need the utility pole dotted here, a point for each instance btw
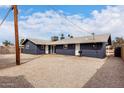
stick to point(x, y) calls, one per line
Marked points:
point(16, 34)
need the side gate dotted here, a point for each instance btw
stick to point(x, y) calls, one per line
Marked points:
point(117, 52)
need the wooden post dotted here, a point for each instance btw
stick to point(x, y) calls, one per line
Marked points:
point(16, 35)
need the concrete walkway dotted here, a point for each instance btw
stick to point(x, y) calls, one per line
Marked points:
point(110, 75)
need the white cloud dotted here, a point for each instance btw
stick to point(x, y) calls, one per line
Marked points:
point(4, 6)
point(46, 24)
point(109, 20)
point(7, 31)
point(51, 22)
point(25, 12)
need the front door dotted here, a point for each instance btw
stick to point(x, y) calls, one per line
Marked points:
point(51, 49)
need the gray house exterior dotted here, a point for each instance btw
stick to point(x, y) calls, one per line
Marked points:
point(69, 50)
point(93, 50)
point(33, 46)
point(88, 46)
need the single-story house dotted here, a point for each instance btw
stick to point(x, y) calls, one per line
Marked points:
point(34, 46)
point(88, 46)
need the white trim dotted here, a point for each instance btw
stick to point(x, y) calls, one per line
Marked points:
point(46, 49)
point(65, 46)
point(77, 49)
point(53, 49)
point(27, 46)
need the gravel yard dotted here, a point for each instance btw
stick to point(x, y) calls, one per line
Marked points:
point(8, 60)
point(48, 70)
point(110, 75)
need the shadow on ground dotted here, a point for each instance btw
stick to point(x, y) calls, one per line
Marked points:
point(110, 75)
point(7, 63)
point(26, 60)
point(14, 82)
point(10, 62)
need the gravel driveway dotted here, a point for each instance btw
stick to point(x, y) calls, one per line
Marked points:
point(51, 70)
point(110, 75)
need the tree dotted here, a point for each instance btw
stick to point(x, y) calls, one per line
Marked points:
point(7, 43)
point(70, 36)
point(22, 40)
point(62, 37)
point(118, 42)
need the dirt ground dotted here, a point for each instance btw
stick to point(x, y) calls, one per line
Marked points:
point(110, 75)
point(48, 71)
point(8, 60)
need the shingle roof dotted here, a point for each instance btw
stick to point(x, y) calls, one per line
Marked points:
point(86, 39)
point(37, 41)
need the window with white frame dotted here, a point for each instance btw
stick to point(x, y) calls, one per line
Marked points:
point(27, 46)
point(65, 46)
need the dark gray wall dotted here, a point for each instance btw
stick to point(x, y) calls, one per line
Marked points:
point(87, 49)
point(59, 49)
point(99, 50)
point(33, 49)
point(40, 50)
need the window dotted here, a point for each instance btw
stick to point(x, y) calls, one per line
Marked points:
point(91, 46)
point(42, 47)
point(27, 46)
point(65, 46)
point(94, 46)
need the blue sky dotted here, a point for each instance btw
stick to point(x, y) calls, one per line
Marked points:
point(72, 9)
point(45, 21)
point(83, 10)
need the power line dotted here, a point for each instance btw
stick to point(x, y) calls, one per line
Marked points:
point(76, 25)
point(9, 10)
point(82, 29)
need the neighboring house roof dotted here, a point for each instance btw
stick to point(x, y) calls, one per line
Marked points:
point(86, 39)
point(37, 41)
